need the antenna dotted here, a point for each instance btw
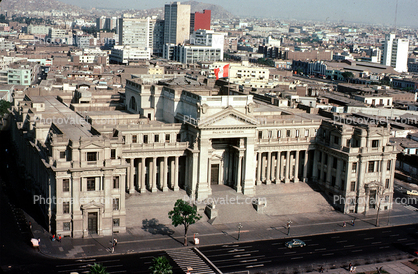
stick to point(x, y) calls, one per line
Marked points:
point(396, 14)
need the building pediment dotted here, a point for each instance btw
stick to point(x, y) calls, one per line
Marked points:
point(92, 205)
point(228, 118)
point(91, 145)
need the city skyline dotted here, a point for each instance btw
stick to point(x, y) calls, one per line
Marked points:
point(370, 11)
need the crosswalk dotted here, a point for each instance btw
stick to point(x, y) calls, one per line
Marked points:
point(411, 207)
point(187, 258)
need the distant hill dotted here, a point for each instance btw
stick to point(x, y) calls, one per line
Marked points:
point(38, 5)
point(217, 12)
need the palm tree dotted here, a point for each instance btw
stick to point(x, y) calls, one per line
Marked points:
point(98, 269)
point(161, 265)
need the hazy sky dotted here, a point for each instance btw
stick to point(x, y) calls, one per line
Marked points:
point(370, 11)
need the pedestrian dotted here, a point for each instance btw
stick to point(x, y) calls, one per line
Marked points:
point(59, 238)
point(115, 241)
point(53, 237)
point(344, 224)
point(113, 248)
point(30, 225)
point(39, 241)
point(352, 222)
point(321, 270)
point(350, 267)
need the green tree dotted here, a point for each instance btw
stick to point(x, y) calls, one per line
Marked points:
point(4, 106)
point(347, 75)
point(98, 269)
point(184, 214)
point(161, 265)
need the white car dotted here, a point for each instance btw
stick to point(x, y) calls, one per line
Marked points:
point(412, 192)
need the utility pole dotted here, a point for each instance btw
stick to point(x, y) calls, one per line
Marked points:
point(239, 231)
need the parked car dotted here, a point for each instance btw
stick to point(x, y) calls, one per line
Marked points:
point(295, 243)
point(412, 192)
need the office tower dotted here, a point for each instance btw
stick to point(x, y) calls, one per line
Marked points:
point(176, 23)
point(200, 20)
point(395, 53)
point(136, 33)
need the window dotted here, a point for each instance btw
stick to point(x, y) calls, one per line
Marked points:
point(113, 154)
point(297, 133)
point(178, 137)
point(306, 132)
point(167, 138)
point(145, 139)
point(371, 166)
point(336, 140)
point(320, 157)
point(66, 185)
point(66, 226)
point(348, 143)
point(91, 184)
point(116, 221)
point(260, 135)
point(375, 143)
point(343, 184)
point(354, 167)
point(288, 133)
point(115, 181)
point(387, 183)
point(134, 139)
point(389, 165)
point(333, 181)
point(270, 133)
point(66, 207)
point(353, 186)
point(91, 156)
point(335, 162)
point(156, 138)
point(325, 159)
point(115, 203)
point(62, 154)
point(279, 133)
point(325, 176)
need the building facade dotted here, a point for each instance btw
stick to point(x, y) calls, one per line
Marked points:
point(176, 23)
point(395, 53)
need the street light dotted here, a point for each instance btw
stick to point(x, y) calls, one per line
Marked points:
point(239, 230)
point(288, 227)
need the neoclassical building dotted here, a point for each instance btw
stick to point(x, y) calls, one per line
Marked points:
point(190, 134)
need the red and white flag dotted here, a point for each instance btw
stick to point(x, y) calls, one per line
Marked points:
point(222, 72)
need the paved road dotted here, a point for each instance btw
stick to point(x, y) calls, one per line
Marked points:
point(320, 249)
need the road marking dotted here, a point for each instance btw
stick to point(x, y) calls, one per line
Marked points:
point(409, 243)
point(308, 240)
point(313, 244)
point(393, 235)
point(282, 248)
point(375, 243)
point(384, 247)
point(335, 237)
point(348, 245)
point(319, 249)
point(243, 255)
point(327, 254)
point(248, 261)
point(236, 250)
point(386, 231)
point(293, 252)
point(276, 243)
point(403, 239)
point(252, 266)
point(369, 238)
point(344, 241)
point(295, 258)
point(230, 245)
point(358, 250)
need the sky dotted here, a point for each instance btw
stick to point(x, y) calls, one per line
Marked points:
point(364, 11)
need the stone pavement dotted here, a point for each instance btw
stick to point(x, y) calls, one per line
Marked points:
point(149, 228)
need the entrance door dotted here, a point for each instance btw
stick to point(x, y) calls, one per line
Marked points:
point(214, 174)
point(372, 199)
point(92, 219)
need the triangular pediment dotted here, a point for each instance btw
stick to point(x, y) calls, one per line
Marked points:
point(91, 145)
point(92, 205)
point(228, 118)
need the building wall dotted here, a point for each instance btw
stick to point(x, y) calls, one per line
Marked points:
point(202, 20)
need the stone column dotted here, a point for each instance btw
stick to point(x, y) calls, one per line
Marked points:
point(338, 174)
point(176, 173)
point(278, 175)
point(138, 175)
point(122, 183)
point(268, 181)
point(143, 171)
point(131, 177)
point(77, 229)
point(171, 174)
point(259, 160)
point(305, 167)
point(107, 224)
point(296, 178)
point(287, 176)
point(329, 169)
point(239, 173)
point(248, 168)
point(315, 175)
point(263, 177)
point(273, 166)
point(154, 175)
point(282, 163)
point(165, 174)
point(195, 170)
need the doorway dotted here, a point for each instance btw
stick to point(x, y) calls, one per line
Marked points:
point(214, 174)
point(92, 222)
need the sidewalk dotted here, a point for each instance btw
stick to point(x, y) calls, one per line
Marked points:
point(162, 237)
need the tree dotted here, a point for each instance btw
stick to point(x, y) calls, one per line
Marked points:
point(161, 265)
point(4, 106)
point(184, 214)
point(347, 75)
point(98, 269)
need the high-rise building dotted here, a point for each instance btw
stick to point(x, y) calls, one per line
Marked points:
point(395, 53)
point(136, 33)
point(158, 38)
point(176, 23)
point(200, 20)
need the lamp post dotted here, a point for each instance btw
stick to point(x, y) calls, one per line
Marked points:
point(239, 231)
point(379, 190)
point(288, 227)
